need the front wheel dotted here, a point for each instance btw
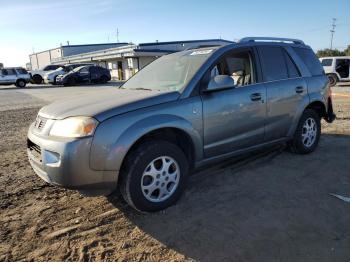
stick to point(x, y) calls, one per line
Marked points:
point(21, 83)
point(307, 134)
point(333, 79)
point(154, 176)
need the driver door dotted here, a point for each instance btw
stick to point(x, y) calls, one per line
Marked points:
point(84, 74)
point(234, 118)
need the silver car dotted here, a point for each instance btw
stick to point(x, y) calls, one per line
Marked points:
point(183, 111)
point(14, 76)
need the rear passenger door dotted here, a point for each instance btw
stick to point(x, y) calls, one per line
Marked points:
point(285, 90)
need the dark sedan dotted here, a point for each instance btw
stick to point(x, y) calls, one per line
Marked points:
point(85, 74)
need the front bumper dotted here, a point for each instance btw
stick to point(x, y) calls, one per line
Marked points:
point(65, 162)
point(48, 80)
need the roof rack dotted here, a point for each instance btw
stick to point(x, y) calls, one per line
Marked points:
point(271, 39)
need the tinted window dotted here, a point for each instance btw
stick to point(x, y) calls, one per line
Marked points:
point(327, 62)
point(11, 71)
point(21, 71)
point(94, 70)
point(293, 71)
point(310, 60)
point(3, 72)
point(273, 63)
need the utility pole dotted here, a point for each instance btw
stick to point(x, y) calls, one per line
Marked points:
point(333, 31)
point(117, 35)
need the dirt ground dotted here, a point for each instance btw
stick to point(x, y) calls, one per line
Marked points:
point(269, 206)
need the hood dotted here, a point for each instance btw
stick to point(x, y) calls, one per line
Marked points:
point(106, 103)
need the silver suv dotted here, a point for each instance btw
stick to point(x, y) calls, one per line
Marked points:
point(14, 75)
point(183, 111)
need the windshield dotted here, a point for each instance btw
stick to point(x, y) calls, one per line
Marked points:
point(169, 73)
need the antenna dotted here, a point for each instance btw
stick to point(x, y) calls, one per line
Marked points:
point(333, 31)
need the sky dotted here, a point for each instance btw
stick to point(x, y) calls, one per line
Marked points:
point(27, 26)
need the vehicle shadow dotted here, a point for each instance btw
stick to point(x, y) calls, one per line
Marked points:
point(267, 206)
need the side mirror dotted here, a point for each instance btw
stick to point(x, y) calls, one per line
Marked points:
point(220, 82)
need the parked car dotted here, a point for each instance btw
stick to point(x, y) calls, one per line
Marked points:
point(336, 68)
point(50, 77)
point(14, 75)
point(38, 75)
point(85, 74)
point(181, 112)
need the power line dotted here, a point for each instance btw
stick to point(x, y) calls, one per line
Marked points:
point(333, 31)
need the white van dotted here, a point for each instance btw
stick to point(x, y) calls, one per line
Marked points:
point(336, 68)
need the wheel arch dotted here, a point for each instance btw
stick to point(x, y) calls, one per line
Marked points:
point(317, 104)
point(162, 127)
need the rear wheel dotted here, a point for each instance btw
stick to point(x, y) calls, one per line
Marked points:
point(21, 83)
point(307, 134)
point(333, 79)
point(37, 79)
point(103, 79)
point(154, 176)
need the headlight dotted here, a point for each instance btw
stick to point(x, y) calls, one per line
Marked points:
point(74, 127)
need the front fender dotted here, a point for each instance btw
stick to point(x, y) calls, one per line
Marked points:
point(115, 136)
point(129, 137)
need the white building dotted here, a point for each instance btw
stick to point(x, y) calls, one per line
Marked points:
point(44, 58)
point(126, 59)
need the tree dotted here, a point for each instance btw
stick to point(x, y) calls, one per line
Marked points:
point(347, 50)
point(331, 52)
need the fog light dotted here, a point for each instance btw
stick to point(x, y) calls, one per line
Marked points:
point(51, 158)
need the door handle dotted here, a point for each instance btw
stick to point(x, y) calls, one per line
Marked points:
point(299, 89)
point(255, 96)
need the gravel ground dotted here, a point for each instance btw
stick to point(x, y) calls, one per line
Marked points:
point(268, 206)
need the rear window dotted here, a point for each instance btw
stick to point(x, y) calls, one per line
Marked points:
point(310, 60)
point(327, 62)
point(273, 63)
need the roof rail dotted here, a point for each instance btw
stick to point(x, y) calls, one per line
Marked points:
point(271, 39)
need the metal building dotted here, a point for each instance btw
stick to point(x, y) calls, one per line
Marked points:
point(125, 60)
point(44, 58)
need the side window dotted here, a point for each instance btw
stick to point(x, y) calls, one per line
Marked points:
point(94, 70)
point(273, 63)
point(11, 72)
point(236, 65)
point(310, 60)
point(47, 68)
point(240, 68)
point(84, 70)
point(327, 62)
point(293, 71)
point(4, 72)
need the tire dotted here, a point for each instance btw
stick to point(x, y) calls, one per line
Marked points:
point(55, 80)
point(37, 79)
point(21, 83)
point(333, 79)
point(307, 134)
point(71, 81)
point(136, 175)
point(103, 79)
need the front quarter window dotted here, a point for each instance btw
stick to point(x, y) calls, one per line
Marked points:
point(171, 72)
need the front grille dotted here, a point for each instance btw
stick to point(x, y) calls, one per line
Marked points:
point(40, 122)
point(34, 149)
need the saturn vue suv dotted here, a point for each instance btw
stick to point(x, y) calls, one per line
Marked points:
point(183, 111)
